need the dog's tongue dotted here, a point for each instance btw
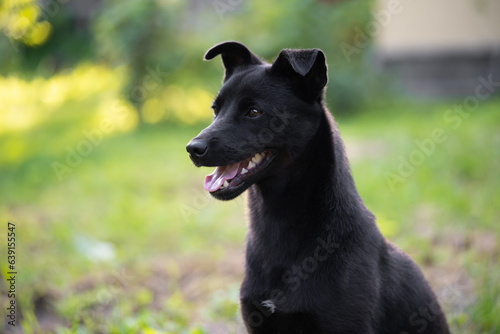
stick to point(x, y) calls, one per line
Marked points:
point(222, 173)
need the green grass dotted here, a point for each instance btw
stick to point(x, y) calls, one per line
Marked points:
point(128, 241)
point(136, 199)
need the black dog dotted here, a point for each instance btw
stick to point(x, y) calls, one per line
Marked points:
point(315, 259)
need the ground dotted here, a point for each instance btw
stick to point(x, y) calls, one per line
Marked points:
point(126, 240)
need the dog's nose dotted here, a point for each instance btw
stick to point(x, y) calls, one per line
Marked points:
point(197, 149)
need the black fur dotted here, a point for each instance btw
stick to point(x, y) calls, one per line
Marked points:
point(315, 259)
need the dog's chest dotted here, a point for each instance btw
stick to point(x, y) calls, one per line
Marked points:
point(271, 306)
point(265, 317)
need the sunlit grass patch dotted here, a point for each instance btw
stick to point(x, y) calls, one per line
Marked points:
point(26, 104)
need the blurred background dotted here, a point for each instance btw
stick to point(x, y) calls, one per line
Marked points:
point(114, 232)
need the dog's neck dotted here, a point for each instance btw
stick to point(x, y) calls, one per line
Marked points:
point(279, 207)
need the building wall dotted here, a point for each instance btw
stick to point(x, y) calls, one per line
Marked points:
point(439, 48)
point(440, 25)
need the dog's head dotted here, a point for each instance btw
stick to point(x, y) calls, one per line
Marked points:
point(263, 116)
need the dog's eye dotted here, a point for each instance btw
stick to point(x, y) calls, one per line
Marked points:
point(254, 113)
point(215, 111)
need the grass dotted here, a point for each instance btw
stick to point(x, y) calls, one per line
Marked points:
point(127, 241)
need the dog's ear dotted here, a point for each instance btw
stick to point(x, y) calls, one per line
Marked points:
point(234, 55)
point(307, 67)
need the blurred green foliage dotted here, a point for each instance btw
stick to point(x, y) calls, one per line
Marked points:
point(169, 38)
point(41, 37)
point(140, 35)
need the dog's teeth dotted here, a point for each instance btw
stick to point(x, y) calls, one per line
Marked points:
point(257, 158)
point(251, 165)
point(243, 171)
point(225, 184)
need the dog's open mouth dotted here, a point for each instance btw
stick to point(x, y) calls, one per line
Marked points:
point(225, 177)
